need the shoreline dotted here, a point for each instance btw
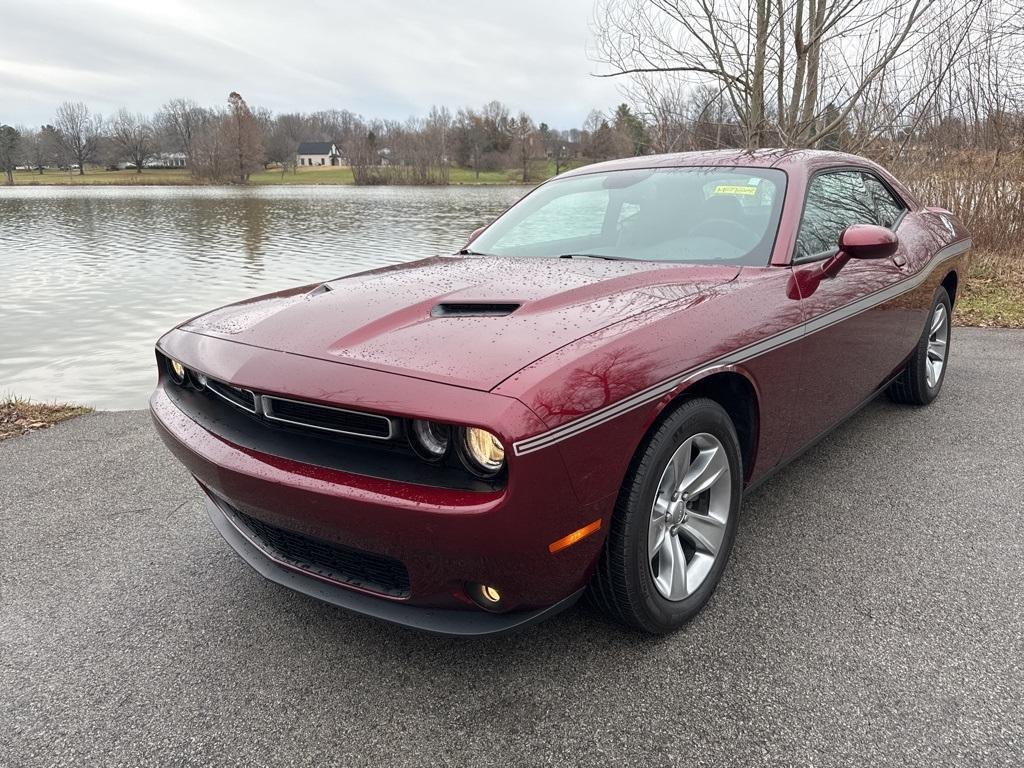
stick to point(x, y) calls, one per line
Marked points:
point(21, 416)
point(256, 185)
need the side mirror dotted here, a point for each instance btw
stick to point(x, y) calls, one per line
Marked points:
point(475, 234)
point(861, 241)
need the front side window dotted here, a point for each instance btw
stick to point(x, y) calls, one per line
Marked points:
point(698, 215)
point(837, 200)
point(887, 208)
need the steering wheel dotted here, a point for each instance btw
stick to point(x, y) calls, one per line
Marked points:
point(735, 232)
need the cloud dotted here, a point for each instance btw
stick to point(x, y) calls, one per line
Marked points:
point(391, 58)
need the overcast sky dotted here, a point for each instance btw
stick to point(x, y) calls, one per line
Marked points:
point(381, 58)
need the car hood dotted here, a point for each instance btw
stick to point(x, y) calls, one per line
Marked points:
point(436, 318)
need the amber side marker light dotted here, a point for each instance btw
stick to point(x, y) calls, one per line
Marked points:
point(572, 538)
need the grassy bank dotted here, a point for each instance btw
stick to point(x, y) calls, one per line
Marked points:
point(101, 177)
point(19, 417)
point(317, 175)
point(993, 296)
point(987, 193)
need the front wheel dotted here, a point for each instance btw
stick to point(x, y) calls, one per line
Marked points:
point(674, 522)
point(921, 380)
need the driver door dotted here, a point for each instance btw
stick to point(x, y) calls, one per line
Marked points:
point(854, 342)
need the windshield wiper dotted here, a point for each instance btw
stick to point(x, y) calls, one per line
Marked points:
point(593, 256)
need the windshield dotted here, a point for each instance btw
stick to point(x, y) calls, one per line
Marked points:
point(699, 215)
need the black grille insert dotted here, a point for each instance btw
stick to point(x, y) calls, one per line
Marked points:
point(345, 565)
point(326, 418)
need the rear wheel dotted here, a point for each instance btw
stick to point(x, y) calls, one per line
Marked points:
point(921, 380)
point(674, 522)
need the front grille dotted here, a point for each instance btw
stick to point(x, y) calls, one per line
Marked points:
point(353, 567)
point(243, 398)
point(326, 418)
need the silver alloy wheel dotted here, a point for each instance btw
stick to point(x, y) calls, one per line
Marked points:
point(938, 339)
point(689, 516)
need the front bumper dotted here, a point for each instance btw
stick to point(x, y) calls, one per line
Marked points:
point(452, 622)
point(446, 539)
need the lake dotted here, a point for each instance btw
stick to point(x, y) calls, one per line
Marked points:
point(90, 277)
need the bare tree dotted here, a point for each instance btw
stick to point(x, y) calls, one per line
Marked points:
point(79, 132)
point(527, 145)
point(133, 137)
point(778, 64)
point(39, 148)
point(242, 131)
point(10, 151)
point(182, 120)
point(437, 130)
point(284, 136)
point(470, 139)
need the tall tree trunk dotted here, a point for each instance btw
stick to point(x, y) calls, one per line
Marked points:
point(800, 49)
point(817, 22)
point(780, 89)
point(755, 114)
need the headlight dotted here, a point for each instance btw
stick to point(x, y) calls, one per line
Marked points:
point(177, 372)
point(483, 451)
point(429, 439)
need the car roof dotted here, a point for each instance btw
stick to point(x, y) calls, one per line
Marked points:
point(806, 159)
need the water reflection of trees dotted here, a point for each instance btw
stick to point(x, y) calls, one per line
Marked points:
point(610, 377)
point(835, 201)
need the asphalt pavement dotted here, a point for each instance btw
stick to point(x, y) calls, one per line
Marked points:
point(872, 614)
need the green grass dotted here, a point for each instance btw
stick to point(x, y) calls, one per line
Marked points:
point(327, 174)
point(317, 175)
point(19, 416)
point(993, 296)
point(94, 176)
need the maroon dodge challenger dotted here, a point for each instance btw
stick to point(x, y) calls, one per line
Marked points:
point(574, 403)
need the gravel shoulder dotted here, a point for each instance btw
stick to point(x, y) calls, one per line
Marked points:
point(872, 614)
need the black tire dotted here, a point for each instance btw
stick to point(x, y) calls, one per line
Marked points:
point(623, 585)
point(912, 387)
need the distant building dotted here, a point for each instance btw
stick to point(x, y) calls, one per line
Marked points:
point(159, 160)
point(317, 153)
point(166, 160)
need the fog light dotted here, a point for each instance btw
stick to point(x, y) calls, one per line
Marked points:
point(490, 594)
point(177, 372)
point(486, 596)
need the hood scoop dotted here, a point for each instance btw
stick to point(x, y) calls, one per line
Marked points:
point(473, 309)
point(320, 289)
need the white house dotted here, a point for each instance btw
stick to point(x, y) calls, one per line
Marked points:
point(166, 160)
point(317, 153)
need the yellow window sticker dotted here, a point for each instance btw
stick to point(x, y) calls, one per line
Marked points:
point(735, 189)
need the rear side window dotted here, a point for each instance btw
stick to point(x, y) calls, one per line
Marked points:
point(837, 200)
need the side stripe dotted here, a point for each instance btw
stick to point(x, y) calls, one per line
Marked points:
point(659, 390)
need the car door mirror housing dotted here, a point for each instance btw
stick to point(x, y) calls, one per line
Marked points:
point(475, 234)
point(868, 241)
point(861, 241)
